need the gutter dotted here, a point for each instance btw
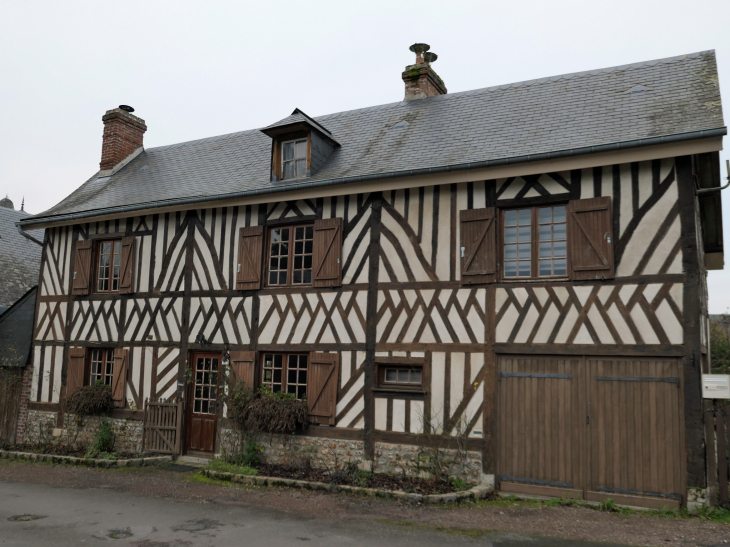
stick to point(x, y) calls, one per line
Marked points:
point(621, 145)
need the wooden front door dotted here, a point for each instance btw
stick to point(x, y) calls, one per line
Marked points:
point(203, 407)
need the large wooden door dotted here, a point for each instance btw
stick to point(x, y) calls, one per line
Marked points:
point(203, 407)
point(541, 425)
point(634, 442)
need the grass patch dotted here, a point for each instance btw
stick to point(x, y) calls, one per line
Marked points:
point(199, 478)
point(222, 466)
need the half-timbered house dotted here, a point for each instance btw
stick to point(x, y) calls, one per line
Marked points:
point(521, 266)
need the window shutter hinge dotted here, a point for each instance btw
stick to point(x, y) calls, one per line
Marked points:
point(74, 275)
point(239, 269)
point(338, 260)
point(462, 252)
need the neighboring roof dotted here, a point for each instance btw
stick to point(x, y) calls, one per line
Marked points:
point(16, 331)
point(653, 102)
point(20, 258)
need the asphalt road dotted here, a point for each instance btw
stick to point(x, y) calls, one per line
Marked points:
point(35, 515)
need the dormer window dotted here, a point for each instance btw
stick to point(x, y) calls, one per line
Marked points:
point(294, 159)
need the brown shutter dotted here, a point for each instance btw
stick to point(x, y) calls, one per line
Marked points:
point(250, 245)
point(590, 242)
point(126, 284)
point(478, 248)
point(82, 267)
point(322, 387)
point(243, 369)
point(327, 255)
point(76, 370)
point(119, 378)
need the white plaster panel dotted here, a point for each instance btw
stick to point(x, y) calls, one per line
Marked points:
point(671, 326)
point(416, 416)
point(399, 415)
point(381, 414)
point(443, 260)
point(438, 382)
point(457, 381)
point(643, 326)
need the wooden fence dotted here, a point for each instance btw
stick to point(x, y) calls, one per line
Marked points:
point(717, 424)
point(162, 430)
point(11, 383)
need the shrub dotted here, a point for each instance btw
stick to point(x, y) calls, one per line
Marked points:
point(103, 440)
point(267, 412)
point(90, 400)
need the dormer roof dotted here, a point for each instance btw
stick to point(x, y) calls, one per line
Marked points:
point(295, 121)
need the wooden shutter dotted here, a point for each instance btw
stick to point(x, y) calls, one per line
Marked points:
point(478, 248)
point(126, 284)
point(250, 245)
point(590, 232)
point(82, 267)
point(76, 370)
point(243, 368)
point(327, 255)
point(322, 387)
point(119, 379)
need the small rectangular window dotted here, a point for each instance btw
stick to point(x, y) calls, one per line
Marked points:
point(290, 256)
point(102, 367)
point(398, 376)
point(285, 372)
point(294, 159)
point(535, 242)
point(109, 265)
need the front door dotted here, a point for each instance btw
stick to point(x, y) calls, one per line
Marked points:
point(203, 410)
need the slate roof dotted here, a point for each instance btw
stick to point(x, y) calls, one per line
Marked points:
point(643, 103)
point(16, 331)
point(20, 258)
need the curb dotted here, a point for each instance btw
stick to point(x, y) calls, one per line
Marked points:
point(473, 494)
point(84, 462)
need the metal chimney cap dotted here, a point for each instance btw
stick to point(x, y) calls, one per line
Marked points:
point(419, 48)
point(430, 57)
point(126, 108)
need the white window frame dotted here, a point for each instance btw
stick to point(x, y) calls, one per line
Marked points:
point(294, 159)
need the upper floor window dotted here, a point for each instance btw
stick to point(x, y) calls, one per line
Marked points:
point(535, 242)
point(102, 367)
point(109, 265)
point(290, 255)
point(294, 159)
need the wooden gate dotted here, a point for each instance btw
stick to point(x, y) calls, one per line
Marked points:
point(717, 424)
point(11, 383)
point(542, 412)
point(592, 428)
point(635, 432)
point(162, 427)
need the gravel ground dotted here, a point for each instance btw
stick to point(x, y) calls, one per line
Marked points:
point(560, 522)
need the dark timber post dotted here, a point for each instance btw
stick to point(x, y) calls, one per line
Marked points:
point(694, 433)
point(371, 326)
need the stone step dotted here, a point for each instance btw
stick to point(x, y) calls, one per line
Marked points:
point(193, 460)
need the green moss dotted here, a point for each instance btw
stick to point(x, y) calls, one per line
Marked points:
point(414, 73)
point(224, 467)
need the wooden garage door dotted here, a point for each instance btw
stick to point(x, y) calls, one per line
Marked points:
point(635, 431)
point(541, 425)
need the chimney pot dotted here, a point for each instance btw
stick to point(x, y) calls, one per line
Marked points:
point(123, 135)
point(421, 80)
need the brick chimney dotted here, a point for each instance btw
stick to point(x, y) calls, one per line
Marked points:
point(420, 79)
point(123, 135)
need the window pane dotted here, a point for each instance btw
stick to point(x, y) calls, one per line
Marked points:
point(309, 232)
point(301, 392)
point(510, 235)
point(545, 232)
point(510, 218)
point(282, 278)
point(298, 247)
point(288, 170)
point(308, 262)
point(524, 269)
point(301, 149)
point(277, 376)
point(285, 234)
point(545, 215)
point(273, 276)
point(403, 376)
point(278, 361)
point(288, 151)
point(291, 389)
point(524, 217)
point(391, 375)
point(545, 250)
point(308, 247)
point(268, 375)
point(303, 376)
point(297, 276)
point(307, 276)
point(558, 231)
point(291, 376)
point(299, 233)
point(283, 262)
point(510, 252)
point(524, 252)
point(297, 262)
point(416, 376)
point(546, 267)
point(301, 168)
point(510, 269)
point(524, 233)
point(559, 214)
point(559, 248)
point(560, 267)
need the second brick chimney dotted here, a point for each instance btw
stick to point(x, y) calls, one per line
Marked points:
point(421, 80)
point(123, 135)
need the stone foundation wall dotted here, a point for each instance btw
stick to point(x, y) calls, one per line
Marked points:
point(41, 424)
point(324, 453)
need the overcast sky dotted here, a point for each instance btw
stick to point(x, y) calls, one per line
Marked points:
point(199, 69)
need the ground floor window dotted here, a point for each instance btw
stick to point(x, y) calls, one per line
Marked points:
point(285, 372)
point(102, 367)
point(206, 385)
